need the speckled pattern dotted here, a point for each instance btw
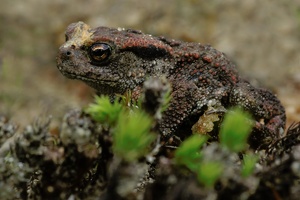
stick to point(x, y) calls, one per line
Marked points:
point(200, 76)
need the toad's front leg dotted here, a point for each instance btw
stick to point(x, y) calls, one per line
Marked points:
point(266, 109)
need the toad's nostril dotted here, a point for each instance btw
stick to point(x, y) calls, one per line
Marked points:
point(65, 52)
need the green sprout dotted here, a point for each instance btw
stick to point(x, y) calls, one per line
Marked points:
point(166, 100)
point(127, 100)
point(235, 130)
point(249, 162)
point(104, 111)
point(209, 172)
point(132, 135)
point(233, 136)
point(189, 153)
point(130, 127)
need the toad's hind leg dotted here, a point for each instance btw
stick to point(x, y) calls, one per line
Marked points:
point(266, 109)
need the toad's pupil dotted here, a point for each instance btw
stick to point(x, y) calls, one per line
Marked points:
point(99, 52)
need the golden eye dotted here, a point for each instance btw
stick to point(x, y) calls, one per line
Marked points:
point(99, 52)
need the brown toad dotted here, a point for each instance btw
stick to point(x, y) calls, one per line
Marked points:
point(116, 60)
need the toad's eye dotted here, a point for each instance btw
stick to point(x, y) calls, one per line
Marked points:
point(99, 52)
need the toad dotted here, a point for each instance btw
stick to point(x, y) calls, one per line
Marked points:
point(115, 60)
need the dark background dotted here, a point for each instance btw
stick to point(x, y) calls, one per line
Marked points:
point(261, 37)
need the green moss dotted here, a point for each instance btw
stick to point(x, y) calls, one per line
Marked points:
point(189, 152)
point(104, 111)
point(235, 130)
point(209, 172)
point(130, 127)
point(132, 136)
point(166, 100)
point(249, 162)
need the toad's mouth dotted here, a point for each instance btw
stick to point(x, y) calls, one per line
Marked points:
point(102, 86)
point(87, 79)
point(67, 69)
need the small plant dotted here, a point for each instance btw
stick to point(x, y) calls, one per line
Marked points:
point(209, 172)
point(166, 100)
point(235, 130)
point(132, 135)
point(104, 111)
point(130, 127)
point(249, 162)
point(233, 136)
point(189, 152)
point(190, 155)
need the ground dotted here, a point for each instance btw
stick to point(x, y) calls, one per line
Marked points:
point(261, 37)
